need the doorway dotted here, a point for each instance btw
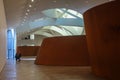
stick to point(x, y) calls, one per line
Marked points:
point(11, 43)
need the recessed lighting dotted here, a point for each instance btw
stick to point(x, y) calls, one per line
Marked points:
point(26, 13)
point(30, 5)
point(54, 1)
point(32, 0)
point(28, 10)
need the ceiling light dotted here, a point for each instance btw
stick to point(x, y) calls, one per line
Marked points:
point(32, 0)
point(26, 13)
point(54, 1)
point(28, 10)
point(30, 5)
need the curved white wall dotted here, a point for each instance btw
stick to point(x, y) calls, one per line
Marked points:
point(2, 36)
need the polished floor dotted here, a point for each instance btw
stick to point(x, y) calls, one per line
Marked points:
point(27, 70)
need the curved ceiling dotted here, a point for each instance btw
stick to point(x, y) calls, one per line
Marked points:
point(58, 22)
point(22, 14)
point(20, 11)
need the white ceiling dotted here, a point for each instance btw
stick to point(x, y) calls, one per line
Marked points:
point(16, 9)
point(16, 17)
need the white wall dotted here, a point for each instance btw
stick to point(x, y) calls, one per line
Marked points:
point(2, 36)
point(37, 41)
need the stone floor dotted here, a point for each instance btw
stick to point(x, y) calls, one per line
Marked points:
point(27, 70)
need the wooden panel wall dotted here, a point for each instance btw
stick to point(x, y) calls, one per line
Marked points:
point(102, 24)
point(28, 50)
point(67, 50)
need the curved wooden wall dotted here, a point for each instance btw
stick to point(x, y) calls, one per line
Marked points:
point(67, 50)
point(102, 24)
point(28, 50)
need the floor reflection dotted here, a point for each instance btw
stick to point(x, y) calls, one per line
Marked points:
point(27, 70)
